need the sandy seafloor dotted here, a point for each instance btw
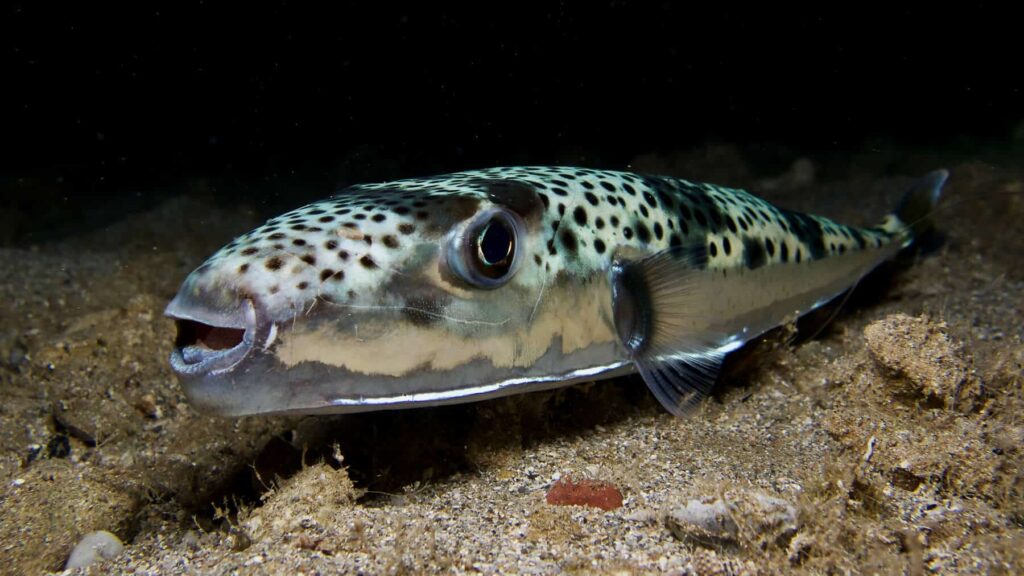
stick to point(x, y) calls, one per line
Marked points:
point(890, 442)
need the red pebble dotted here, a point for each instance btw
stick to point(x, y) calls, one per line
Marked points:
point(585, 493)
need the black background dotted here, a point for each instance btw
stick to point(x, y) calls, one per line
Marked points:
point(104, 106)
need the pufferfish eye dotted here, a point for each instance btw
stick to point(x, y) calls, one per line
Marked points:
point(485, 252)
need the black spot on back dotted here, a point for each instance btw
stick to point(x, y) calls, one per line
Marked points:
point(519, 197)
point(858, 237)
point(807, 230)
point(684, 227)
point(569, 240)
point(715, 214)
point(643, 233)
point(368, 262)
point(580, 216)
point(753, 253)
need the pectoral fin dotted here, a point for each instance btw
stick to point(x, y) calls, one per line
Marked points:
point(658, 302)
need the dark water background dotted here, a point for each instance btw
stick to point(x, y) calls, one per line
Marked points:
point(110, 110)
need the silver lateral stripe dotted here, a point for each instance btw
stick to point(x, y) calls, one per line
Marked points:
point(477, 390)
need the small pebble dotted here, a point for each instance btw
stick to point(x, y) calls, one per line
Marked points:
point(93, 547)
point(191, 540)
point(585, 493)
point(148, 406)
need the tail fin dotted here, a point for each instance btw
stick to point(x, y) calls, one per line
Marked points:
point(912, 216)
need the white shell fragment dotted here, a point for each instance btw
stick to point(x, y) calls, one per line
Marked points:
point(93, 547)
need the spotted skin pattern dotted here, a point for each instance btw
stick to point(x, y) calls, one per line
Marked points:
point(339, 248)
point(381, 296)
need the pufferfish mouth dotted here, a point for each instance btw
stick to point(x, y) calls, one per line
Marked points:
point(209, 341)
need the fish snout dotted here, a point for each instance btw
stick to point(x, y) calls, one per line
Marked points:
point(213, 334)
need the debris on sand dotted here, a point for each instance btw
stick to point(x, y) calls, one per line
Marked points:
point(931, 362)
point(735, 517)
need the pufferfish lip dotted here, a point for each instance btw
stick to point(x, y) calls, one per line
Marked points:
point(210, 341)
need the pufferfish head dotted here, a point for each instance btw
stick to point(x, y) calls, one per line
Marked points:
point(343, 298)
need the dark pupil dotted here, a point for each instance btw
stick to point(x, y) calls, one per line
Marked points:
point(495, 243)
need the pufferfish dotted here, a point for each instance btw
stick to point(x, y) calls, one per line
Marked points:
point(491, 282)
